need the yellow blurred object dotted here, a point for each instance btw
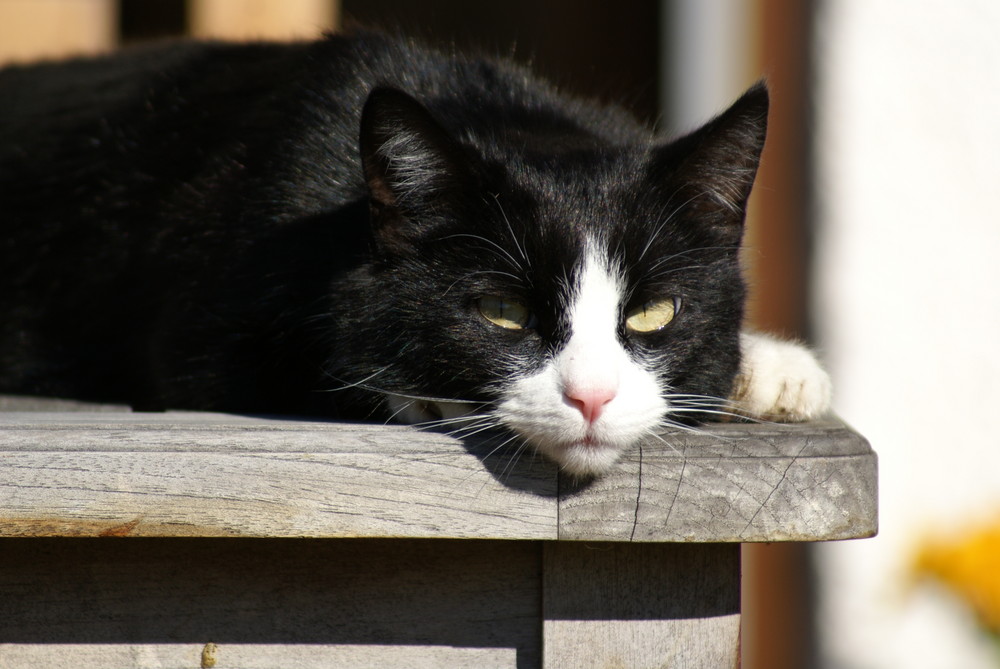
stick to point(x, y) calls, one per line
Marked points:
point(969, 565)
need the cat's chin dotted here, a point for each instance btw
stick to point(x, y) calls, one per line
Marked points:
point(582, 458)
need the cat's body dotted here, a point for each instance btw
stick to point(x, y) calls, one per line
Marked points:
point(359, 227)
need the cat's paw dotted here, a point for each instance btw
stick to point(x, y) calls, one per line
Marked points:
point(780, 381)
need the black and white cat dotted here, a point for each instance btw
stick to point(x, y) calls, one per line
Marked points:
point(362, 227)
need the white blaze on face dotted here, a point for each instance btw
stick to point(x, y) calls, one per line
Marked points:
point(591, 401)
point(590, 365)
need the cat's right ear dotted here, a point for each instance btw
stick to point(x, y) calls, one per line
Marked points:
point(711, 171)
point(411, 166)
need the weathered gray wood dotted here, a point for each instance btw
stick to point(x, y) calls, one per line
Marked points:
point(95, 603)
point(254, 656)
point(49, 404)
point(192, 474)
point(199, 474)
point(734, 482)
point(641, 605)
point(593, 586)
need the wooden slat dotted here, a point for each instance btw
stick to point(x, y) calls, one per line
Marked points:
point(641, 605)
point(262, 19)
point(255, 656)
point(201, 474)
point(740, 483)
point(190, 474)
point(35, 29)
point(353, 604)
point(398, 584)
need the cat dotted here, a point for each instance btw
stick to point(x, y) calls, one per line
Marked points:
point(361, 227)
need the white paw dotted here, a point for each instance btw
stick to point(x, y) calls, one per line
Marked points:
point(780, 380)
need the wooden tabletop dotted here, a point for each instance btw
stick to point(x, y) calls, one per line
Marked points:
point(118, 473)
point(563, 573)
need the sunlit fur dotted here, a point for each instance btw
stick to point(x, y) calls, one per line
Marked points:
point(780, 380)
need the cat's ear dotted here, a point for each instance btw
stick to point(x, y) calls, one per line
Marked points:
point(410, 163)
point(711, 171)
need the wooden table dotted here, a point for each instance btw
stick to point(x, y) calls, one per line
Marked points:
point(267, 542)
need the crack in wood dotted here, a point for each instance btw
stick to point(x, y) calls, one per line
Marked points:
point(638, 497)
point(805, 444)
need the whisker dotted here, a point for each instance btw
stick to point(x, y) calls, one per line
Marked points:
point(503, 252)
point(514, 458)
point(507, 439)
point(472, 430)
point(688, 253)
point(513, 237)
point(667, 219)
point(401, 409)
point(348, 385)
point(422, 398)
point(462, 421)
point(485, 271)
point(659, 437)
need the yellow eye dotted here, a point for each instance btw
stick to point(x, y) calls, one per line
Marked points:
point(651, 316)
point(506, 313)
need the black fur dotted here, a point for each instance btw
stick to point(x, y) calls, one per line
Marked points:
point(235, 227)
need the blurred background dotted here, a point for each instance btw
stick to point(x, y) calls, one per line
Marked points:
point(874, 234)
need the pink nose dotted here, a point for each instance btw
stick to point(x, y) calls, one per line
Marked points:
point(590, 402)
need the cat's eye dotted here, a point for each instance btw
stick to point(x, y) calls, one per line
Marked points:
point(652, 315)
point(504, 312)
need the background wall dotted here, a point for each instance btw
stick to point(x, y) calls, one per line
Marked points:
point(907, 307)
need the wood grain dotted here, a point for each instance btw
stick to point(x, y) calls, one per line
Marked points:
point(212, 475)
point(315, 544)
point(641, 605)
point(201, 474)
point(740, 483)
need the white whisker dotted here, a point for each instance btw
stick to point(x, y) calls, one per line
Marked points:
point(508, 275)
point(662, 439)
point(356, 384)
point(401, 409)
point(503, 252)
point(513, 237)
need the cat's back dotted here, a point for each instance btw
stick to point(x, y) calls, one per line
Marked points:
point(159, 100)
point(201, 126)
point(132, 182)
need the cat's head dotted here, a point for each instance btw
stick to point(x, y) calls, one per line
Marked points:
point(580, 291)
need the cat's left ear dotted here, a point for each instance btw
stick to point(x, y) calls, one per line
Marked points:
point(411, 164)
point(710, 172)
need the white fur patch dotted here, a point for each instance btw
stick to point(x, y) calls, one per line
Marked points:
point(546, 406)
point(780, 380)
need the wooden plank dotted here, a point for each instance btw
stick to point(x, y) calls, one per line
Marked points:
point(640, 605)
point(186, 474)
point(262, 19)
point(89, 603)
point(34, 29)
point(56, 405)
point(253, 656)
point(199, 474)
point(733, 483)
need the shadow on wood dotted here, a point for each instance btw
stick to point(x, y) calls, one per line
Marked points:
point(414, 593)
